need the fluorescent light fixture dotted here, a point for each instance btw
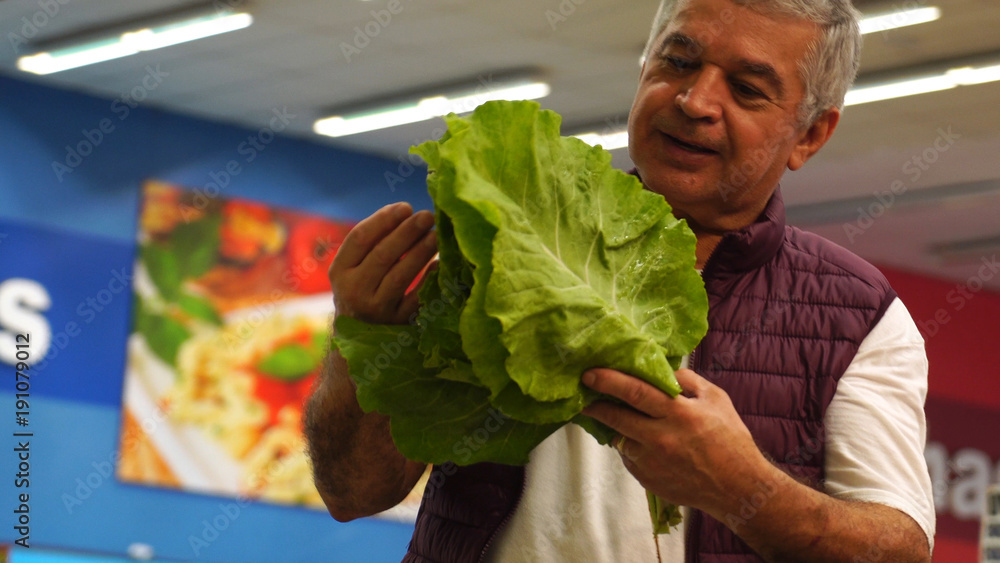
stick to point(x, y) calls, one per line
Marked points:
point(426, 108)
point(899, 89)
point(132, 42)
point(610, 141)
point(899, 18)
point(953, 78)
point(967, 76)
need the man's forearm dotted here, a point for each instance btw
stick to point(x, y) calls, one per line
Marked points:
point(356, 466)
point(793, 522)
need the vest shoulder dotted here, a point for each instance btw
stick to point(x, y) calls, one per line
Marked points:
point(810, 250)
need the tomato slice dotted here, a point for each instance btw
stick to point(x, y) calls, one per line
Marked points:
point(311, 247)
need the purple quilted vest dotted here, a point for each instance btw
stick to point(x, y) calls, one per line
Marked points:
point(787, 313)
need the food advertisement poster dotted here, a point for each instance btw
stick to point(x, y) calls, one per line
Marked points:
point(230, 325)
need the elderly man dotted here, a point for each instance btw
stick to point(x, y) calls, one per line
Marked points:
point(800, 433)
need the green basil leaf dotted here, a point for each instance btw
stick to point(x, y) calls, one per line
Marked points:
point(197, 245)
point(163, 335)
point(164, 269)
point(288, 362)
point(199, 308)
point(320, 345)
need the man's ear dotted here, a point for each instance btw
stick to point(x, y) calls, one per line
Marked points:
point(813, 138)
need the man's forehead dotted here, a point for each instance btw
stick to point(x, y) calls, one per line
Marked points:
point(759, 39)
point(722, 16)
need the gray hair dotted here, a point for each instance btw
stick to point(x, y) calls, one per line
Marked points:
point(831, 64)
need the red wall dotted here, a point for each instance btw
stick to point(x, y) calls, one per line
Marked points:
point(962, 330)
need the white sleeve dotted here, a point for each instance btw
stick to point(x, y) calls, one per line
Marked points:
point(875, 424)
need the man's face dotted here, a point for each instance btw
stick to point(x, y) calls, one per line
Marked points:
point(714, 121)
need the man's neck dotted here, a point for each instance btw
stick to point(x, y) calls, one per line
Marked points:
point(707, 241)
point(709, 233)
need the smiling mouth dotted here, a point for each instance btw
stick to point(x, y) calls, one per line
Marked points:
point(689, 146)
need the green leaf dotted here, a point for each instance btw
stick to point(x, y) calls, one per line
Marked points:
point(289, 362)
point(199, 308)
point(433, 420)
point(575, 264)
point(197, 245)
point(663, 515)
point(320, 345)
point(163, 334)
point(551, 263)
point(163, 268)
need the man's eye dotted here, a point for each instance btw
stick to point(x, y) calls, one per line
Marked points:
point(679, 63)
point(747, 91)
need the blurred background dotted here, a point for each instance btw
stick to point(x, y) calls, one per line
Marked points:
point(182, 172)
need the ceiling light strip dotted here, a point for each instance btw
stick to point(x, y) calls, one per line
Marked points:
point(424, 109)
point(898, 19)
point(961, 76)
point(133, 42)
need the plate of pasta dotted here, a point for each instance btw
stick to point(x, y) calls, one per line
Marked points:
point(231, 325)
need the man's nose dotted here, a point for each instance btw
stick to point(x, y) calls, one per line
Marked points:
point(701, 95)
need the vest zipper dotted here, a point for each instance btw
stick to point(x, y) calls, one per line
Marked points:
point(509, 515)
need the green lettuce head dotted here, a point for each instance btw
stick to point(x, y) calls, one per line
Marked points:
point(551, 263)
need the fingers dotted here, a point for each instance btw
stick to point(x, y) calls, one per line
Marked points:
point(365, 235)
point(386, 253)
point(378, 261)
point(402, 273)
point(692, 383)
point(622, 419)
point(621, 443)
point(633, 391)
point(411, 301)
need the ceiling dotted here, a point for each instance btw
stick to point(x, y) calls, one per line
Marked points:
point(588, 50)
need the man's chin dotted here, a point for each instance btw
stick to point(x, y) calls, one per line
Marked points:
point(680, 187)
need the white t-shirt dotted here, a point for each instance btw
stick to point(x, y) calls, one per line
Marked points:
point(580, 504)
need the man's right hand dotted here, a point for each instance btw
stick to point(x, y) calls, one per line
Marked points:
point(378, 261)
point(357, 468)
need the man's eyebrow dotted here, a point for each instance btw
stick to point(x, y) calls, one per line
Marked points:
point(677, 39)
point(765, 71)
